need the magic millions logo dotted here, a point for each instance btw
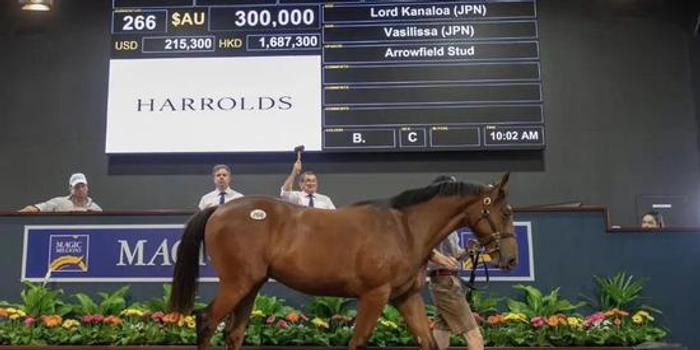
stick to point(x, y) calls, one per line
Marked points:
point(68, 253)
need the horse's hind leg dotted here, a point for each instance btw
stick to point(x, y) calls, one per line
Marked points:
point(239, 320)
point(370, 308)
point(412, 310)
point(228, 296)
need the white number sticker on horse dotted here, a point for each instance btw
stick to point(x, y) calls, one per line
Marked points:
point(258, 214)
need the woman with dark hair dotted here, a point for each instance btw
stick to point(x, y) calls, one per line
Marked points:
point(652, 219)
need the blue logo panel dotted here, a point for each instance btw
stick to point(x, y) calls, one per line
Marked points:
point(525, 271)
point(147, 253)
point(108, 253)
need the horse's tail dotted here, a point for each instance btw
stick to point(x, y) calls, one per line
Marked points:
point(187, 264)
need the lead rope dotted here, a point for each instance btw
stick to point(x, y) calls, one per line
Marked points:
point(474, 250)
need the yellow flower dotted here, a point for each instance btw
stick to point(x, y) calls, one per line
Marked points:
point(574, 322)
point(388, 324)
point(641, 315)
point(186, 321)
point(513, 316)
point(191, 324)
point(319, 323)
point(68, 324)
point(645, 314)
point(258, 313)
point(11, 310)
point(132, 312)
point(14, 316)
point(21, 313)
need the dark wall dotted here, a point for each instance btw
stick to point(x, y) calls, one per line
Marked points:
point(694, 18)
point(618, 109)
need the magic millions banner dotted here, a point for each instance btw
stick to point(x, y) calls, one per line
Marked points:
point(525, 271)
point(147, 253)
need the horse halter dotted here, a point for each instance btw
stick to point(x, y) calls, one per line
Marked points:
point(495, 237)
point(474, 247)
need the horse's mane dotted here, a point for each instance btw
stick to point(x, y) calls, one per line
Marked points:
point(420, 195)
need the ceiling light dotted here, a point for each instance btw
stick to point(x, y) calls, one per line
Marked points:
point(36, 5)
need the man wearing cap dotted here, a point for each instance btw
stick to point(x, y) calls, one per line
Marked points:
point(223, 192)
point(77, 200)
point(308, 182)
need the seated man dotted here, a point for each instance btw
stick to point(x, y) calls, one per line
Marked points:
point(308, 197)
point(652, 220)
point(78, 199)
point(222, 192)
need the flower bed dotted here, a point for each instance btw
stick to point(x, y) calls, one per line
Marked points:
point(189, 347)
point(540, 320)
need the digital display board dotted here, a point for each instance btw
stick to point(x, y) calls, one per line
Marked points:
point(343, 76)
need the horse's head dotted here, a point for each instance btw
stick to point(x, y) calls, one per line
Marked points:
point(491, 220)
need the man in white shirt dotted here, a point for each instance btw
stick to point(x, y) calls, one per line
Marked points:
point(77, 200)
point(308, 197)
point(222, 193)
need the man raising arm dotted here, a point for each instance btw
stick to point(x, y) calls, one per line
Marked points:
point(308, 183)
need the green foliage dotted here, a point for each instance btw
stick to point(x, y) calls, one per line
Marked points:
point(160, 304)
point(537, 320)
point(620, 291)
point(538, 304)
point(391, 330)
point(40, 300)
point(272, 306)
point(485, 304)
point(111, 304)
point(330, 306)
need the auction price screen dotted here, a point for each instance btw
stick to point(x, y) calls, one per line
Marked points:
point(264, 76)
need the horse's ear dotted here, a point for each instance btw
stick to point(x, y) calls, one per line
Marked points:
point(504, 182)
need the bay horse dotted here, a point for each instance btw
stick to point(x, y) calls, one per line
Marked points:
point(375, 251)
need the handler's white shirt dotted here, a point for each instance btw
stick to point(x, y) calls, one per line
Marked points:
point(302, 198)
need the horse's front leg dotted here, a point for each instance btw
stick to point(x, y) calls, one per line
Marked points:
point(370, 308)
point(412, 310)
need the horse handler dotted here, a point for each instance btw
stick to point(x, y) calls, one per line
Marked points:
point(454, 313)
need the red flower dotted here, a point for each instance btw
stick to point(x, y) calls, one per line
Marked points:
point(157, 316)
point(282, 324)
point(537, 321)
point(479, 320)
